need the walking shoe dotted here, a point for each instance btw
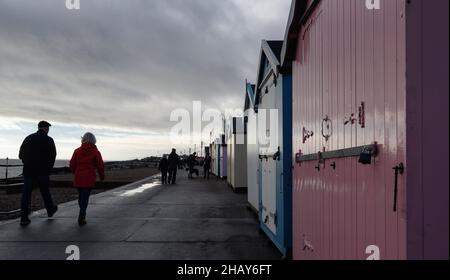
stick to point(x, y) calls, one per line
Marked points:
point(52, 211)
point(25, 222)
point(82, 222)
point(82, 218)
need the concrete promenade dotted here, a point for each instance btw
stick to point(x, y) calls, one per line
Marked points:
point(193, 220)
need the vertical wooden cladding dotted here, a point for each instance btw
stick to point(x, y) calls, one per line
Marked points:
point(348, 55)
point(427, 129)
point(252, 160)
point(215, 158)
point(237, 155)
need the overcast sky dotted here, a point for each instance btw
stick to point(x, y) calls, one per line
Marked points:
point(119, 67)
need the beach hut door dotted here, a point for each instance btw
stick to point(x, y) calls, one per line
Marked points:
point(269, 194)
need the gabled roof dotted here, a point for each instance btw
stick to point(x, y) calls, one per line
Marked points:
point(270, 52)
point(271, 55)
point(299, 12)
point(275, 47)
point(249, 96)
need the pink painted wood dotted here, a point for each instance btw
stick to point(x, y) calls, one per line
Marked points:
point(347, 55)
point(427, 117)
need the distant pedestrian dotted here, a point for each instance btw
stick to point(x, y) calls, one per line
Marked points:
point(86, 160)
point(38, 154)
point(174, 161)
point(181, 164)
point(191, 160)
point(206, 166)
point(163, 167)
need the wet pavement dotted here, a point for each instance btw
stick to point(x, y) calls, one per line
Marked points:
point(193, 220)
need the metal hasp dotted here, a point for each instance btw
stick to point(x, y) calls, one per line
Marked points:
point(399, 169)
point(261, 157)
point(343, 153)
point(276, 156)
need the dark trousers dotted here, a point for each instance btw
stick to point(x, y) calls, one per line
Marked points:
point(83, 200)
point(44, 184)
point(172, 175)
point(205, 172)
point(191, 170)
point(164, 176)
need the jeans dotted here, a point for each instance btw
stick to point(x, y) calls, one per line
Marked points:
point(44, 184)
point(191, 170)
point(172, 175)
point(83, 200)
point(206, 172)
point(164, 176)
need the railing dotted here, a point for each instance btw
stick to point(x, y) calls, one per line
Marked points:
point(8, 213)
point(7, 165)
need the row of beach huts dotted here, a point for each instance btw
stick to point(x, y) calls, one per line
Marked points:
point(358, 165)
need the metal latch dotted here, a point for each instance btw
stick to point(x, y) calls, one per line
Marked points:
point(399, 169)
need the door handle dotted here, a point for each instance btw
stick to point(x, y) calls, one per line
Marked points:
point(398, 170)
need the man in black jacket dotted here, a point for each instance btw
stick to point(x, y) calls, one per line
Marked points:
point(38, 154)
point(174, 160)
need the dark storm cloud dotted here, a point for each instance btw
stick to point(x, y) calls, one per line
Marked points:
point(129, 63)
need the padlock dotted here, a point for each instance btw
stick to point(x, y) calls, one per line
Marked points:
point(366, 156)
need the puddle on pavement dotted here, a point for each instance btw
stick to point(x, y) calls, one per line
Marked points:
point(137, 190)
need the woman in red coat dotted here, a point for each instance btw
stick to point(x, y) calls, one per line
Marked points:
point(86, 160)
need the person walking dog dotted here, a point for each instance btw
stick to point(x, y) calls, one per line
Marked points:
point(191, 160)
point(86, 160)
point(38, 154)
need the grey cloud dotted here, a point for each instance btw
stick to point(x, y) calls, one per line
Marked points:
point(127, 63)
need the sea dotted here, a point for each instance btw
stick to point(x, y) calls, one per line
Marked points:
point(17, 171)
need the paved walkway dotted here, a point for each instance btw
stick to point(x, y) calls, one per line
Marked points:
point(197, 219)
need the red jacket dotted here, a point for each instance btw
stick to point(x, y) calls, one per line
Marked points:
point(85, 161)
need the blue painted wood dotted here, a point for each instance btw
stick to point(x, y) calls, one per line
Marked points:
point(283, 237)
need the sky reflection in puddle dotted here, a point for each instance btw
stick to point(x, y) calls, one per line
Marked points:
point(139, 190)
